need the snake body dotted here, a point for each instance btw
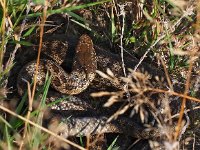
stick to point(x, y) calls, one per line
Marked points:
point(83, 69)
point(88, 58)
point(99, 125)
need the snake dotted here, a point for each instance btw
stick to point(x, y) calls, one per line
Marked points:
point(88, 58)
point(83, 69)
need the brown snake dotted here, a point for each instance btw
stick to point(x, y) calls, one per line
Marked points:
point(83, 70)
point(88, 59)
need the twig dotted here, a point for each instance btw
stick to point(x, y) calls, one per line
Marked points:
point(147, 51)
point(193, 144)
point(188, 110)
point(3, 26)
point(166, 73)
point(31, 95)
point(185, 126)
point(122, 13)
point(28, 114)
point(39, 49)
point(175, 94)
point(187, 85)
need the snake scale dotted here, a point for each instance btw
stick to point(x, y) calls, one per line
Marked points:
point(88, 58)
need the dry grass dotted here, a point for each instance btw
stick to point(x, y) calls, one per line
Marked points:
point(168, 30)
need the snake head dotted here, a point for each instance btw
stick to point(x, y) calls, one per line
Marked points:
point(86, 56)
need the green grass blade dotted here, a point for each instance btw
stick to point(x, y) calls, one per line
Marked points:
point(25, 43)
point(8, 138)
point(28, 33)
point(111, 147)
point(5, 122)
point(66, 10)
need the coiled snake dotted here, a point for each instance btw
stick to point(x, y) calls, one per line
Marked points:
point(88, 59)
point(83, 70)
